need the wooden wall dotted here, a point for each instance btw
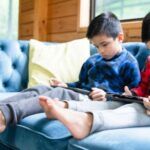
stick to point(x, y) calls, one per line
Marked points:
point(132, 31)
point(56, 20)
point(26, 11)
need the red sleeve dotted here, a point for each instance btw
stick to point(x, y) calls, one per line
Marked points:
point(144, 87)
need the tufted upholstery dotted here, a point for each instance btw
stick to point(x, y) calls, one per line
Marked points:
point(36, 132)
point(13, 65)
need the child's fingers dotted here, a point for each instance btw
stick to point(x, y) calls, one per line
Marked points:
point(98, 97)
point(146, 104)
point(127, 91)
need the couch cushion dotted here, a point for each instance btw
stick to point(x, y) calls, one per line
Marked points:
point(118, 139)
point(139, 50)
point(36, 133)
point(62, 61)
point(13, 65)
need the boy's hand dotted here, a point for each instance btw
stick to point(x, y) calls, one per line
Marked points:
point(127, 91)
point(147, 104)
point(55, 82)
point(98, 94)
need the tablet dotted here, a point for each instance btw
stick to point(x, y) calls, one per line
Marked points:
point(124, 98)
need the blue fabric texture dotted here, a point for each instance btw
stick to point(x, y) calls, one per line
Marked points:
point(119, 139)
point(13, 65)
point(36, 132)
point(110, 75)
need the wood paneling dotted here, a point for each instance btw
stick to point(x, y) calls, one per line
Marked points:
point(25, 1)
point(132, 31)
point(27, 5)
point(26, 17)
point(56, 1)
point(56, 20)
point(26, 37)
point(27, 29)
point(67, 8)
point(40, 20)
point(26, 12)
point(64, 37)
point(65, 24)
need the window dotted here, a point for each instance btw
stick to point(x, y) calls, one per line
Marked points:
point(83, 14)
point(124, 9)
point(9, 19)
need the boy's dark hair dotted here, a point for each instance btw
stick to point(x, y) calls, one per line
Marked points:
point(146, 28)
point(104, 24)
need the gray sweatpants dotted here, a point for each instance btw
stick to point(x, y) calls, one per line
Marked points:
point(106, 115)
point(26, 102)
point(112, 115)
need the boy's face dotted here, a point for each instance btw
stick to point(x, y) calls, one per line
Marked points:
point(107, 46)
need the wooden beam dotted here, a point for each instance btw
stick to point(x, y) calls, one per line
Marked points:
point(64, 37)
point(40, 20)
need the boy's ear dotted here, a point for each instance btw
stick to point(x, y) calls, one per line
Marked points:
point(121, 37)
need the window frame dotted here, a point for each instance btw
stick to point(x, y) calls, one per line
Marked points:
point(79, 27)
point(121, 20)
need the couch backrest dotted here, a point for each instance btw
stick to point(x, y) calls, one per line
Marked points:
point(14, 62)
point(13, 65)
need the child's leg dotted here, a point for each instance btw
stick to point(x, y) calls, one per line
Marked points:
point(78, 123)
point(85, 106)
point(27, 93)
point(26, 103)
point(82, 124)
point(6, 111)
point(129, 115)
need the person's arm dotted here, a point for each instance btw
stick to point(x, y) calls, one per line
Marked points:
point(98, 94)
point(83, 76)
point(55, 82)
point(147, 104)
point(143, 88)
point(131, 74)
point(146, 101)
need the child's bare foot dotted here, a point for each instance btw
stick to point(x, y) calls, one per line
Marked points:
point(60, 103)
point(2, 122)
point(78, 123)
point(56, 101)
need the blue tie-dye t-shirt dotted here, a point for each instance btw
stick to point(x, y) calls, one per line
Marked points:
point(110, 75)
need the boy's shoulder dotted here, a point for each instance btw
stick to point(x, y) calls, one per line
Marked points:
point(94, 58)
point(129, 56)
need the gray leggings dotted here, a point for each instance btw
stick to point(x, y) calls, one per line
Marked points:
point(106, 115)
point(112, 115)
point(26, 102)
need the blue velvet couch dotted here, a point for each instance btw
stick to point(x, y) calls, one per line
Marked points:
point(36, 132)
